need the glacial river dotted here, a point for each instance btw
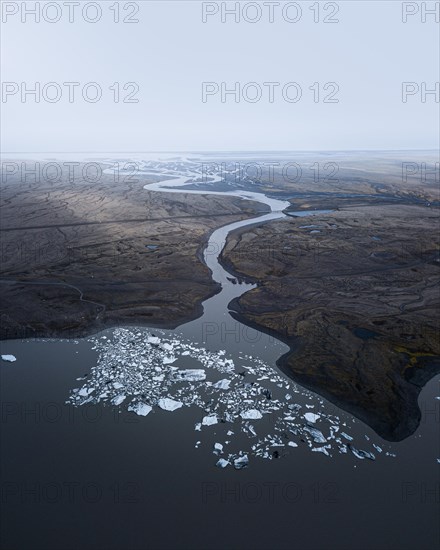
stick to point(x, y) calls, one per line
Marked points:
point(192, 438)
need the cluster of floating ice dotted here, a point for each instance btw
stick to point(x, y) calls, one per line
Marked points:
point(141, 372)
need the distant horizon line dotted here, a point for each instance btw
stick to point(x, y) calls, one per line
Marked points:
point(218, 151)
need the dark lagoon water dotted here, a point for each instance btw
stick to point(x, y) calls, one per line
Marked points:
point(79, 469)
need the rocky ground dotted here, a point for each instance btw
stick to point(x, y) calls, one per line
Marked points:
point(77, 257)
point(356, 295)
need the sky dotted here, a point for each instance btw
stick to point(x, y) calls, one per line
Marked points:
point(171, 55)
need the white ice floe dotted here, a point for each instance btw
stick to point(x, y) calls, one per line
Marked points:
point(241, 462)
point(209, 420)
point(142, 409)
point(168, 404)
point(251, 414)
point(84, 392)
point(193, 375)
point(292, 444)
point(222, 463)
point(9, 358)
point(312, 417)
point(218, 447)
point(119, 399)
point(222, 384)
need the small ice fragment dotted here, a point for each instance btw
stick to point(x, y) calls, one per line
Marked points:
point(222, 463)
point(168, 404)
point(84, 392)
point(241, 462)
point(318, 436)
point(251, 414)
point(118, 385)
point(222, 384)
point(346, 436)
point(168, 360)
point(322, 449)
point(312, 417)
point(218, 447)
point(142, 409)
point(9, 358)
point(210, 420)
point(198, 427)
point(358, 453)
point(192, 375)
point(153, 340)
point(230, 432)
point(292, 444)
point(118, 399)
point(378, 449)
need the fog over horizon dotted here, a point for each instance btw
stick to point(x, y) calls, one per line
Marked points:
point(180, 65)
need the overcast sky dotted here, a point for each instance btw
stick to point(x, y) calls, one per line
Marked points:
point(171, 52)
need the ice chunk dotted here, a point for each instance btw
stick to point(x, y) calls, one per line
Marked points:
point(378, 449)
point(9, 358)
point(210, 420)
point(118, 399)
point(198, 427)
point(312, 417)
point(169, 360)
point(142, 409)
point(118, 385)
point(318, 436)
point(222, 384)
point(222, 463)
point(168, 404)
point(292, 444)
point(241, 462)
point(192, 375)
point(251, 414)
point(322, 449)
point(153, 340)
point(218, 447)
point(358, 453)
point(348, 437)
point(84, 392)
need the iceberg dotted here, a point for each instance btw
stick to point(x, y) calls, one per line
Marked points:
point(241, 462)
point(118, 399)
point(9, 358)
point(168, 404)
point(318, 437)
point(358, 453)
point(312, 417)
point(191, 375)
point(251, 414)
point(210, 420)
point(222, 384)
point(142, 409)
